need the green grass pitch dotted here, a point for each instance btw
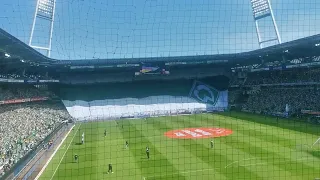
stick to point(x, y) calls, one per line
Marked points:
point(259, 148)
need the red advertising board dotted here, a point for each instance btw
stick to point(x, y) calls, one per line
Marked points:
point(16, 101)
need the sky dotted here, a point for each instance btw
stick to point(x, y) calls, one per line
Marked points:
point(91, 29)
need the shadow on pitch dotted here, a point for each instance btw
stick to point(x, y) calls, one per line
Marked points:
point(78, 144)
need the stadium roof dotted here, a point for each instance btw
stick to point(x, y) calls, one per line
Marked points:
point(305, 47)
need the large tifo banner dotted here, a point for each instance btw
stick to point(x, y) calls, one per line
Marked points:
point(208, 95)
point(201, 98)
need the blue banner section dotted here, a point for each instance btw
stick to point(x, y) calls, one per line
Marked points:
point(203, 93)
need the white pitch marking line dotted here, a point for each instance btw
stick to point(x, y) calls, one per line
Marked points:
point(261, 163)
point(55, 151)
point(184, 172)
point(199, 170)
point(65, 152)
point(64, 146)
point(238, 161)
point(267, 162)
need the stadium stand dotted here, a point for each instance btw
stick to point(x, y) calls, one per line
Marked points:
point(272, 91)
point(274, 99)
point(24, 125)
point(303, 75)
point(18, 91)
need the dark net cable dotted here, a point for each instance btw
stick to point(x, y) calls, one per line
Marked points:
point(159, 90)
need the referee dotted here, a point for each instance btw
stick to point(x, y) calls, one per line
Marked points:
point(147, 152)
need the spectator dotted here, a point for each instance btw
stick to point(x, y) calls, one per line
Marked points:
point(20, 92)
point(286, 76)
point(274, 99)
point(23, 126)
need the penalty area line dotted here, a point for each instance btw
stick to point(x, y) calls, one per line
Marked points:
point(53, 154)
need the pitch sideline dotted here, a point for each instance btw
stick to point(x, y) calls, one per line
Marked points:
point(54, 153)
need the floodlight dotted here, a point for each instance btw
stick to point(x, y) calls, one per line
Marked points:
point(7, 55)
point(45, 9)
point(262, 9)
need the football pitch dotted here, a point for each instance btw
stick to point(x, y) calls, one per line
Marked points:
point(256, 147)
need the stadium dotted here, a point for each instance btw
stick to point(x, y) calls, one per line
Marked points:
point(159, 90)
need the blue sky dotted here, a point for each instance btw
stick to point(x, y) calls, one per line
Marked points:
point(86, 29)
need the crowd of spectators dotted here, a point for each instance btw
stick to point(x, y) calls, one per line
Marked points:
point(286, 76)
point(8, 92)
point(275, 99)
point(23, 126)
point(9, 76)
point(269, 91)
point(22, 77)
point(233, 96)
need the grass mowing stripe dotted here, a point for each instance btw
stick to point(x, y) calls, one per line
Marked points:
point(263, 150)
point(272, 134)
point(111, 150)
point(132, 170)
point(52, 155)
point(238, 158)
point(137, 148)
point(211, 156)
point(267, 148)
point(291, 124)
point(53, 164)
point(178, 155)
point(294, 152)
point(282, 135)
point(192, 123)
point(92, 154)
point(258, 159)
point(65, 153)
point(206, 154)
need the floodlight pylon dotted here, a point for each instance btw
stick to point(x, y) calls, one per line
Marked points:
point(262, 9)
point(45, 9)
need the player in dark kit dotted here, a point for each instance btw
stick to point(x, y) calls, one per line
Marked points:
point(127, 144)
point(76, 158)
point(147, 152)
point(211, 142)
point(110, 168)
point(105, 132)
